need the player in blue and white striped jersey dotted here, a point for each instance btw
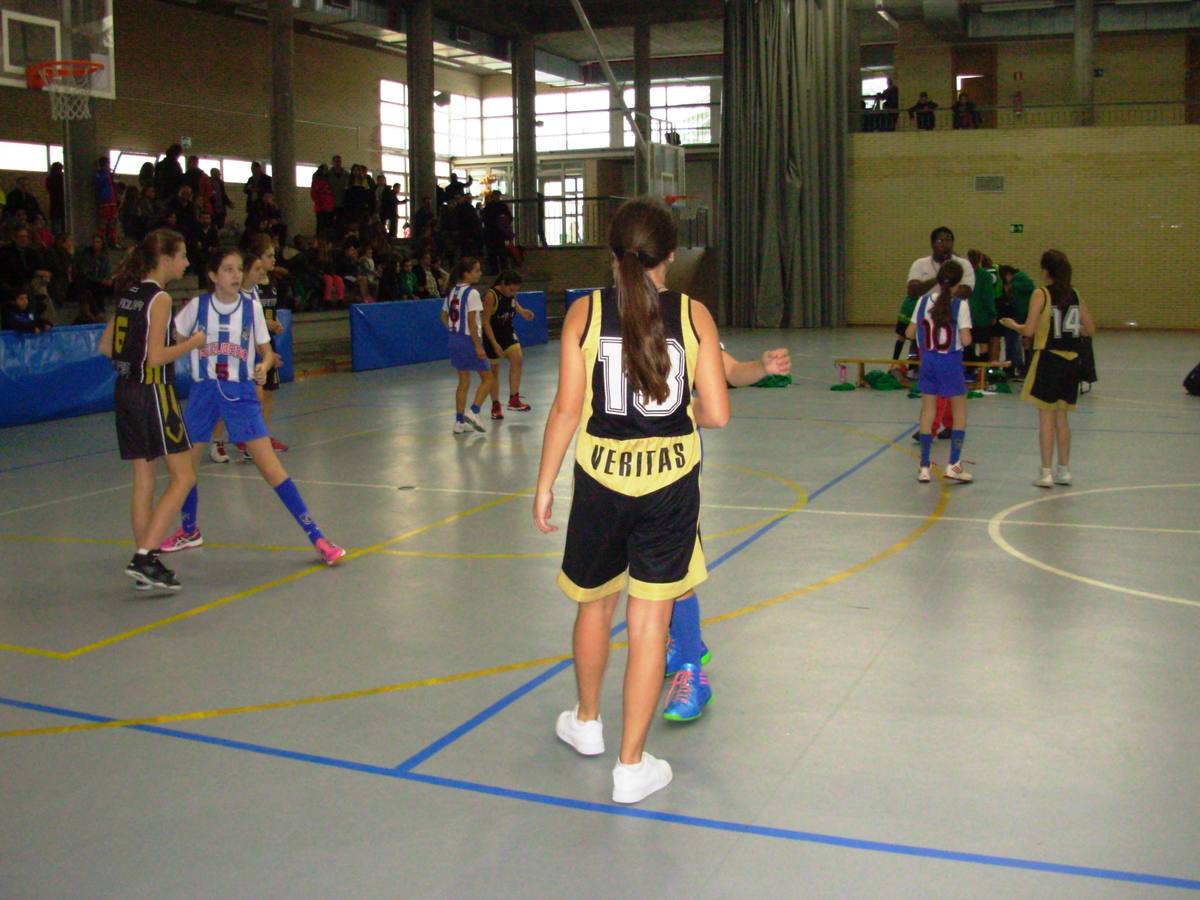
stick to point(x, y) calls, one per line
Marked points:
point(226, 371)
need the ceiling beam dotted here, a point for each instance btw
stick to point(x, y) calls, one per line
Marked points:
point(547, 18)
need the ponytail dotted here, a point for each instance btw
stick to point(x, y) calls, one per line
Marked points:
point(949, 275)
point(642, 235)
point(143, 257)
point(1057, 266)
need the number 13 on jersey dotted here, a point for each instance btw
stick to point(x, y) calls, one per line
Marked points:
point(616, 386)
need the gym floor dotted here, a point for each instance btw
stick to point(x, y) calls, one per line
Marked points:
point(933, 690)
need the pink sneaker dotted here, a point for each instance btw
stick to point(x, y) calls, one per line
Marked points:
point(181, 540)
point(515, 402)
point(329, 553)
point(278, 446)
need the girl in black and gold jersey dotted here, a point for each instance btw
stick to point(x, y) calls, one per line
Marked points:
point(1058, 322)
point(140, 342)
point(631, 358)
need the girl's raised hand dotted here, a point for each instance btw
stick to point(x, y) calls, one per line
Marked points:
point(543, 504)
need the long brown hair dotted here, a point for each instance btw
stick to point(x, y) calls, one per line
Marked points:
point(1058, 267)
point(642, 234)
point(949, 275)
point(144, 256)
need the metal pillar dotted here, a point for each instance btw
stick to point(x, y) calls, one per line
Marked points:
point(641, 105)
point(1084, 55)
point(421, 179)
point(280, 18)
point(80, 152)
point(528, 211)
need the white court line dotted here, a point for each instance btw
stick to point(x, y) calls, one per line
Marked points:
point(997, 520)
point(107, 490)
point(982, 521)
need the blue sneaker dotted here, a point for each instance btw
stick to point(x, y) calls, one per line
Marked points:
point(674, 661)
point(688, 695)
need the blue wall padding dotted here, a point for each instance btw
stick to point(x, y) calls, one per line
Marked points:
point(53, 375)
point(401, 332)
point(574, 294)
point(61, 373)
point(535, 331)
point(396, 333)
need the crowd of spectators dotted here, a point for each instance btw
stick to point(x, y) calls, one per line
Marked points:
point(365, 247)
point(881, 111)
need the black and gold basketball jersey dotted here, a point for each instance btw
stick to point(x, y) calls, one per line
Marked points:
point(502, 315)
point(627, 442)
point(131, 336)
point(1059, 329)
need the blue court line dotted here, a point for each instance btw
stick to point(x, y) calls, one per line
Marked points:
point(508, 699)
point(612, 809)
point(50, 462)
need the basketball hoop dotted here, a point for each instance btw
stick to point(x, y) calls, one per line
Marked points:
point(68, 81)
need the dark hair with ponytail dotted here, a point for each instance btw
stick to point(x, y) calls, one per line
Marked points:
point(949, 275)
point(642, 235)
point(1058, 267)
point(216, 257)
point(143, 257)
point(508, 276)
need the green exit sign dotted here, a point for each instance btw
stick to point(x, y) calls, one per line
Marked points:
point(1017, 228)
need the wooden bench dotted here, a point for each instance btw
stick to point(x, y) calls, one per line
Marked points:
point(860, 381)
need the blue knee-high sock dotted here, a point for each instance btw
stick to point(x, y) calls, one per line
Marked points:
point(190, 507)
point(926, 447)
point(685, 629)
point(291, 498)
point(956, 442)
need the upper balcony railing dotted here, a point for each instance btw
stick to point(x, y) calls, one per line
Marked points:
point(1057, 115)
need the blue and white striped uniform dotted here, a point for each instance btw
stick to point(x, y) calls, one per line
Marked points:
point(223, 369)
point(233, 331)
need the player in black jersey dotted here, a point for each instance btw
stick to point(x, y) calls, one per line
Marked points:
point(1058, 321)
point(499, 306)
point(630, 359)
point(140, 341)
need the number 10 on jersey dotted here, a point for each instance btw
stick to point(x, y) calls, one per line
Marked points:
point(616, 386)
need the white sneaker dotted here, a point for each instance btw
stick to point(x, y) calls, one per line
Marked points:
point(461, 427)
point(924, 475)
point(956, 472)
point(634, 783)
point(586, 737)
point(1045, 479)
point(474, 421)
point(216, 452)
point(1062, 475)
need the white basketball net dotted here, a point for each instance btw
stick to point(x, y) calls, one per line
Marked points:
point(69, 95)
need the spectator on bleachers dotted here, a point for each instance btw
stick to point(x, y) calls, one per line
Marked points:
point(21, 262)
point(468, 228)
point(302, 273)
point(456, 188)
point(257, 186)
point(145, 176)
point(497, 231)
point(40, 233)
point(60, 260)
point(202, 241)
point(422, 219)
point(357, 199)
point(106, 200)
point(965, 113)
point(16, 314)
point(339, 180)
point(168, 173)
point(321, 193)
point(200, 183)
point(923, 112)
point(56, 190)
point(150, 210)
point(183, 206)
point(21, 200)
point(127, 214)
point(431, 277)
point(367, 274)
point(889, 102)
point(93, 269)
point(220, 199)
point(389, 205)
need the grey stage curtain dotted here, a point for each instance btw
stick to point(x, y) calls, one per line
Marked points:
point(783, 163)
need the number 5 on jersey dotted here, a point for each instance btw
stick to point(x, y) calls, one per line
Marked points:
point(616, 386)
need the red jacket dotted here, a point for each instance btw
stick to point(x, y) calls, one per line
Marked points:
point(322, 195)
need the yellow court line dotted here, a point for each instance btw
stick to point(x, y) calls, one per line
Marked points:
point(249, 592)
point(510, 667)
point(430, 554)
